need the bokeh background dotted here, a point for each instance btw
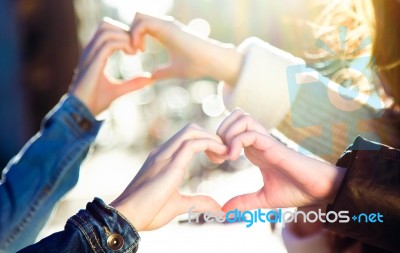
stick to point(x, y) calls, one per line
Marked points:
point(40, 43)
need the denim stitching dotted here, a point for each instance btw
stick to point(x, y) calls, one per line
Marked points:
point(94, 234)
point(84, 233)
point(123, 217)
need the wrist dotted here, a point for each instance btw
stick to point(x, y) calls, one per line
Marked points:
point(323, 180)
point(337, 182)
point(224, 63)
point(101, 221)
point(231, 69)
point(124, 209)
point(78, 93)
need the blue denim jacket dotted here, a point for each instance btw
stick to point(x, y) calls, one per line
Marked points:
point(98, 228)
point(44, 170)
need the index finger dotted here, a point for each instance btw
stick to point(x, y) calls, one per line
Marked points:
point(189, 132)
point(189, 148)
point(235, 114)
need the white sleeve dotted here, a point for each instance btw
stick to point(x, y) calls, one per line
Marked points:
point(262, 88)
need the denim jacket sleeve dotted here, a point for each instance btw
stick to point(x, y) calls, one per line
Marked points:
point(371, 186)
point(98, 228)
point(44, 170)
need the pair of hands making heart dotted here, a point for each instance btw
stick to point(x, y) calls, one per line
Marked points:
point(190, 57)
point(153, 199)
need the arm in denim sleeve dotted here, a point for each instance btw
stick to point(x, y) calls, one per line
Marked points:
point(98, 228)
point(371, 186)
point(44, 170)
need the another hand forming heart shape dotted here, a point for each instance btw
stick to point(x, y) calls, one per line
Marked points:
point(190, 56)
point(290, 179)
point(91, 84)
point(153, 199)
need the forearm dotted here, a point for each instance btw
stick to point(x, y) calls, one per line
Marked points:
point(45, 169)
point(220, 61)
point(223, 62)
point(330, 176)
point(98, 228)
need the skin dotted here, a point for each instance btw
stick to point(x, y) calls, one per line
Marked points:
point(162, 174)
point(290, 179)
point(90, 84)
point(164, 169)
point(191, 56)
point(204, 57)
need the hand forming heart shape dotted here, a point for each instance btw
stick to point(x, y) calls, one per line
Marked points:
point(91, 84)
point(290, 179)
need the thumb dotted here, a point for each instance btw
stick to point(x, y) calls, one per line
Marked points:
point(245, 202)
point(133, 84)
point(199, 203)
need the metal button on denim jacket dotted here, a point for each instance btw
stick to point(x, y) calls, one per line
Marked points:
point(98, 228)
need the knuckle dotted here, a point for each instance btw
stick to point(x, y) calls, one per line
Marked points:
point(221, 129)
point(247, 118)
point(187, 144)
point(110, 45)
point(102, 34)
point(104, 49)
